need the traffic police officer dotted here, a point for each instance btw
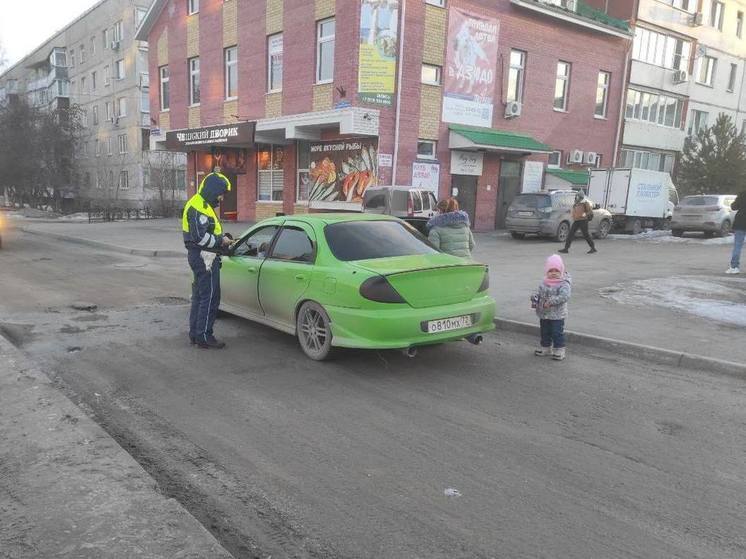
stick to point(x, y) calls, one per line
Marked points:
point(204, 239)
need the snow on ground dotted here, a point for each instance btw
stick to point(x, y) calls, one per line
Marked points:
point(657, 237)
point(722, 299)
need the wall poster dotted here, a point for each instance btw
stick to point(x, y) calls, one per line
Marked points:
point(379, 23)
point(341, 170)
point(471, 62)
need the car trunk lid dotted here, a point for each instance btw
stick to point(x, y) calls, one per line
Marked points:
point(429, 280)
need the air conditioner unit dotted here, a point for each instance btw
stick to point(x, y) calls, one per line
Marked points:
point(576, 156)
point(115, 45)
point(680, 76)
point(513, 109)
point(695, 20)
point(591, 157)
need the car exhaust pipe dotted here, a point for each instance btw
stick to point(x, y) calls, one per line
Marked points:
point(475, 339)
point(410, 352)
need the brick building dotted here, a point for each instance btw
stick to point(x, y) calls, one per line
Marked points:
point(296, 99)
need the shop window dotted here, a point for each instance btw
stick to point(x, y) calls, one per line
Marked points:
point(303, 185)
point(270, 178)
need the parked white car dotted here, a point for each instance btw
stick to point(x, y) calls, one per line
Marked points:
point(709, 213)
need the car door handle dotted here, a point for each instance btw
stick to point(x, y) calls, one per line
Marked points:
point(300, 277)
point(251, 270)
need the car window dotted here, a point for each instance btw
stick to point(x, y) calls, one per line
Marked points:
point(700, 201)
point(532, 201)
point(365, 240)
point(416, 201)
point(433, 200)
point(564, 201)
point(425, 201)
point(257, 243)
point(375, 202)
point(293, 244)
point(399, 201)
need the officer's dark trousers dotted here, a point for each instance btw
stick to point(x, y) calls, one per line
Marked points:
point(581, 224)
point(205, 296)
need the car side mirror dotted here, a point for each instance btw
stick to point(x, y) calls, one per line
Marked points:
point(597, 206)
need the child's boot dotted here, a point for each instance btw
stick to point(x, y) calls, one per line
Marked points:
point(543, 351)
point(558, 354)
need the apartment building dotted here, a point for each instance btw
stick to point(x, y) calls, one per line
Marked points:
point(688, 63)
point(305, 104)
point(95, 63)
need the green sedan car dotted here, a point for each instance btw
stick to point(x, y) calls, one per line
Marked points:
point(354, 280)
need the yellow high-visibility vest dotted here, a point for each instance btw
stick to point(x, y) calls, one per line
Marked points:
point(199, 204)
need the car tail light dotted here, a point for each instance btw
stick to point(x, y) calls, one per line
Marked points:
point(380, 290)
point(410, 206)
point(712, 209)
point(485, 281)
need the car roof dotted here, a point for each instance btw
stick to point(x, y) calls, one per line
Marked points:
point(398, 187)
point(327, 218)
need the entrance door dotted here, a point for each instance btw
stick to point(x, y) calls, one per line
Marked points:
point(229, 205)
point(467, 194)
point(509, 186)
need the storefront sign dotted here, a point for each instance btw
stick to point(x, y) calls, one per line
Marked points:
point(470, 69)
point(466, 162)
point(379, 25)
point(533, 173)
point(385, 160)
point(426, 175)
point(238, 135)
point(341, 170)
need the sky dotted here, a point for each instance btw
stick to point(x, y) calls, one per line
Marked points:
point(26, 24)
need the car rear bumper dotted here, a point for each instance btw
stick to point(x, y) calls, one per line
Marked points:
point(402, 327)
point(542, 227)
point(695, 225)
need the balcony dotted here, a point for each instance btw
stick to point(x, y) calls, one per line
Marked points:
point(578, 13)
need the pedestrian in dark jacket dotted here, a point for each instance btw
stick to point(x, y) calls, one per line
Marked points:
point(739, 233)
point(450, 230)
point(550, 302)
point(581, 211)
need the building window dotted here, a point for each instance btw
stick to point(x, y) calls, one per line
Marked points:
point(119, 69)
point(739, 25)
point(270, 178)
point(110, 146)
point(145, 100)
point(515, 75)
point(716, 15)
point(93, 81)
point(274, 62)
point(117, 32)
point(124, 182)
point(431, 74)
point(439, 3)
point(743, 128)
point(140, 14)
point(231, 72)
point(661, 110)
point(562, 86)
point(427, 149)
point(706, 74)
point(123, 143)
point(194, 96)
point(95, 115)
point(303, 186)
point(642, 159)
point(82, 54)
point(602, 94)
point(109, 112)
point(105, 38)
point(163, 72)
point(82, 85)
point(732, 78)
point(192, 6)
point(121, 107)
point(107, 75)
point(72, 58)
point(661, 50)
point(325, 50)
point(697, 122)
point(555, 160)
point(97, 146)
point(93, 46)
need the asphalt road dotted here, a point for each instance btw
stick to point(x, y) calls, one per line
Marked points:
point(462, 452)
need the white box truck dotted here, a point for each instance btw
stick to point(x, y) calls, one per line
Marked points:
point(636, 198)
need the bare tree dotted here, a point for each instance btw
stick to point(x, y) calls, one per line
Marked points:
point(163, 172)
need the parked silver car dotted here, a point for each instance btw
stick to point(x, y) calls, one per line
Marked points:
point(549, 214)
point(709, 213)
point(414, 205)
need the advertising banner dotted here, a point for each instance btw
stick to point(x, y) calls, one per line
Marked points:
point(533, 174)
point(341, 170)
point(467, 163)
point(471, 62)
point(379, 22)
point(426, 176)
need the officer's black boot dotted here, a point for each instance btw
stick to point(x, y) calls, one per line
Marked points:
point(211, 343)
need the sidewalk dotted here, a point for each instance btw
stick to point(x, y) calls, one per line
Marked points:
point(68, 490)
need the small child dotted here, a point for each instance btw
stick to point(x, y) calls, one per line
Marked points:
point(551, 307)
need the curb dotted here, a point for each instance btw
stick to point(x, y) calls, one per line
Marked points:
point(636, 351)
point(107, 246)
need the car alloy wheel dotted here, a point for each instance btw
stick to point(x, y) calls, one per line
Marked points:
point(563, 231)
point(517, 235)
point(677, 232)
point(314, 332)
point(725, 228)
point(603, 229)
point(636, 227)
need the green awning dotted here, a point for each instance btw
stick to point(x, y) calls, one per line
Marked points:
point(472, 137)
point(577, 178)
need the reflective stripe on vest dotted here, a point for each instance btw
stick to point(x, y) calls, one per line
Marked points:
point(202, 207)
point(202, 184)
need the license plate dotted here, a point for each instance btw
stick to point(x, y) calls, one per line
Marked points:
point(526, 214)
point(448, 324)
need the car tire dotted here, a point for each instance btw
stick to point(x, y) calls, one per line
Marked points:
point(724, 229)
point(563, 231)
point(636, 227)
point(709, 234)
point(603, 229)
point(313, 328)
point(517, 235)
point(677, 232)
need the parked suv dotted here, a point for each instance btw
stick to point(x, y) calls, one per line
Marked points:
point(414, 205)
point(710, 213)
point(550, 214)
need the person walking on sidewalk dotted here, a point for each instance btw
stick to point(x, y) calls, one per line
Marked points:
point(450, 230)
point(550, 302)
point(582, 213)
point(739, 233)
point(204, 239)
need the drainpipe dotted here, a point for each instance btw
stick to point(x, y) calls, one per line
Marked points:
point(398, 91)
point(622, 103)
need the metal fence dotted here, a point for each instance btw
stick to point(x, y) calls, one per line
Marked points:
point(119, 214)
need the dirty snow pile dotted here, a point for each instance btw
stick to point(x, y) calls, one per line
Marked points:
point(716, 298)
point(653, 236)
